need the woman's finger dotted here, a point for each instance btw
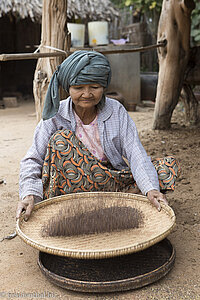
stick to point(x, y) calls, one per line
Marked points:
point(20, 208)
point(156, 203)
point(162, 197)
point(28, 211)
point(155, 197)
point(164, 201)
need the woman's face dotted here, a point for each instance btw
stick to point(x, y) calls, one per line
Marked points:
point(86, 96)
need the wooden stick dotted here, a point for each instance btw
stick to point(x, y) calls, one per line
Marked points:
point(22, 56)
point(139, 49)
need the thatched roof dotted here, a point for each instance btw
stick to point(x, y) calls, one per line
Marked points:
point(22, 8)
point(92, 10)
point(77, 9)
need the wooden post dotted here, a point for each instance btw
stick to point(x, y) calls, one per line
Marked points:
point(174, 27)
point(54, 34)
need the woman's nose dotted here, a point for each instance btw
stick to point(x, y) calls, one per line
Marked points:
point(87, 92)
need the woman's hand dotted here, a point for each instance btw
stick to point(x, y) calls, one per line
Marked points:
point(155, 197)
point(27, 205)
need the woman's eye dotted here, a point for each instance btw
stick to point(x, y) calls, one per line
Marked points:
point(95, 87)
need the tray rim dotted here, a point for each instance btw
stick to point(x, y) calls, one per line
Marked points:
point(84, 254)
point(111, 286)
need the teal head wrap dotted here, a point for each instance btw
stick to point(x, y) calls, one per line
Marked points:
point(81, 67)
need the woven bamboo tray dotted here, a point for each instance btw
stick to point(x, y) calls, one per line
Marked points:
point(114, 274)
point(155, 227)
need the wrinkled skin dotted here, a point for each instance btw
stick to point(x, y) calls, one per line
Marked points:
point(26, 205)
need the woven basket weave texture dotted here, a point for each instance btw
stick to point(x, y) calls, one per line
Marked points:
point(155, 227)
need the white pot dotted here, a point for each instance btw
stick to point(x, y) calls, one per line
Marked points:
point(98, 33)
point(77, 34)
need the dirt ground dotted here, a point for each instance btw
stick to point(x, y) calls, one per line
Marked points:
point(20, 276)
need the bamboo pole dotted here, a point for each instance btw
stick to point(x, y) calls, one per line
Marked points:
point(22, 56)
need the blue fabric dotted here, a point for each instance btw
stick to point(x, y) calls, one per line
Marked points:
point(81, 67)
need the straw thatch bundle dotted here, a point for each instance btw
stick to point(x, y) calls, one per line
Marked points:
point(22, 8)
point(77, 9)
point(92, 10)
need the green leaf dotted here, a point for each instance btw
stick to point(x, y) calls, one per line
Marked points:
point(128, 2)
point(197, 38)
point(195, 21)
point(195, 32)
point(153, 5)
point(197, 6)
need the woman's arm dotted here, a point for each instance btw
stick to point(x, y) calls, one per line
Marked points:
point(30, 182)
point(140, 163)
point(142, 168)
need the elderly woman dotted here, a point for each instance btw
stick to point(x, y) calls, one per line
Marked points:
point(82, 144)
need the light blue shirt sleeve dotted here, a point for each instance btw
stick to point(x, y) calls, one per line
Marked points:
point(141, 166)
point(30, 182)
